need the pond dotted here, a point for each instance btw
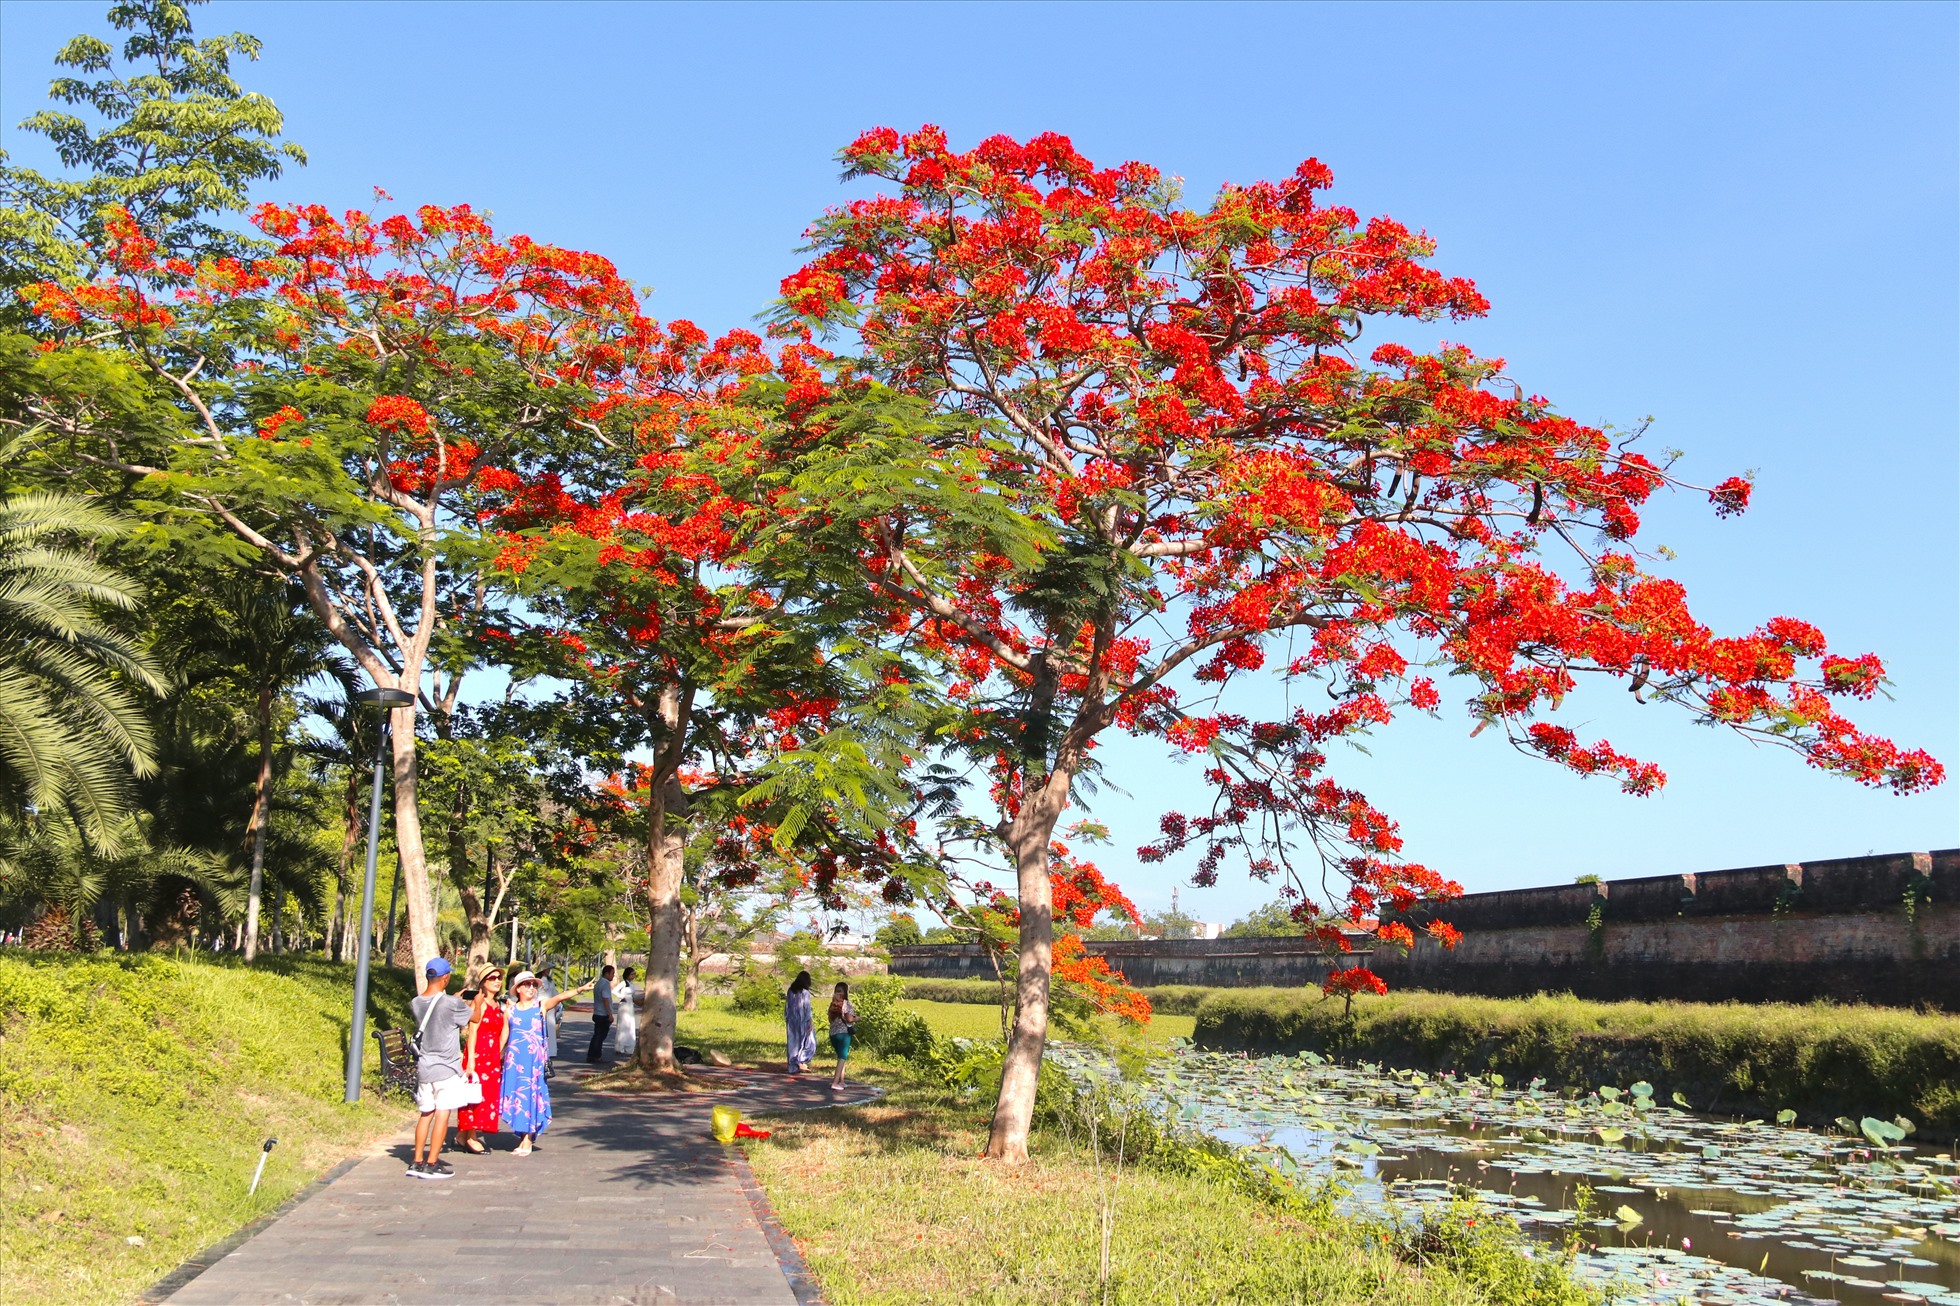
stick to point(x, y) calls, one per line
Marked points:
point(1686, 1206)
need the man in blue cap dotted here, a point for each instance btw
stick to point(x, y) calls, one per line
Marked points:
point(440, 1087)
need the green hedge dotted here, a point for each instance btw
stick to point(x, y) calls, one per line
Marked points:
point(1171, 999)
point(1820, 1060)
point(135, 1093)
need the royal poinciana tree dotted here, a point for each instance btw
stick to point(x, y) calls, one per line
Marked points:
point(1158, 461)
point(690, 675)
point(342, 413)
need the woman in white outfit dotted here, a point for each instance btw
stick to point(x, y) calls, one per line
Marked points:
point(626, 1025)
point(546, 989)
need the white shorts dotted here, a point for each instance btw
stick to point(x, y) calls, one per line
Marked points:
point(450, 1094)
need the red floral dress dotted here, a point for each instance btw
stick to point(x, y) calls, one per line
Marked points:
point(489, 1071)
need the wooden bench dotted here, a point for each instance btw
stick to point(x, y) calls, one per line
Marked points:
point(397, 1061)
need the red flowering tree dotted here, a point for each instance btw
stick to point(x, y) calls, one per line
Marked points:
point(1149, 458)
point(729, 703)
point(343, 412)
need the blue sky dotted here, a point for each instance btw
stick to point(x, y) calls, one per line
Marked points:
point(1739, 220)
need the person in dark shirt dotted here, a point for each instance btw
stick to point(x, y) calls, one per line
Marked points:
point(602, 1014)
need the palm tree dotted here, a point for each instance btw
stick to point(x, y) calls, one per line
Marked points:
point(49, 862)
point(271, 644)
point(73, 728)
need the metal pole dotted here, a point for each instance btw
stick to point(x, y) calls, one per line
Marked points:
point(358, 1036)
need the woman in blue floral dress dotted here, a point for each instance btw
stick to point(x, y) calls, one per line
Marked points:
point(524, 1106)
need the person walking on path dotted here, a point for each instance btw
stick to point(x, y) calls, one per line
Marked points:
point(602, 1014)
point(799, 1024)
point(628, 1036)
point(547, 989)
point(524, 1100)
point(843, 1018)
point(484, 1061)
point(439, 1084)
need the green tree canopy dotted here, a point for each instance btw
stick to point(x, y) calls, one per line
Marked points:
point(165, 134)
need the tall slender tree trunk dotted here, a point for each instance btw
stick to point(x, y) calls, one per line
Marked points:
point(345, 909)
point(692, 1002)
point(409, 850)
point(261, 811)
point(1028, 838)
point(665, 853)
point(666, 811)
point(394, 913)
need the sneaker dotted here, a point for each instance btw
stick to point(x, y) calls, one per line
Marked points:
point(438, 1170)
point(416, 1170)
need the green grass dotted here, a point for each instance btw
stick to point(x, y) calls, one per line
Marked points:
point(885, 1198)
point(759, 1039)
point(1819, 1060)
point(969, 1020)
point(1165, 999)
point(135, 1093)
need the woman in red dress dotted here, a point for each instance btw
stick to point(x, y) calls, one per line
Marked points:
point(484, 1061)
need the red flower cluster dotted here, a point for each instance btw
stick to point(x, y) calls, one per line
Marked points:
point(1182, 391)
point(1353, 980)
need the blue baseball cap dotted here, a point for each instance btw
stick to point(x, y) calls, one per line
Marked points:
point(437, 968)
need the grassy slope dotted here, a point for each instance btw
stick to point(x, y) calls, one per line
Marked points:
point(135, 1094)
point(1820, 1060)
point(890, 1203)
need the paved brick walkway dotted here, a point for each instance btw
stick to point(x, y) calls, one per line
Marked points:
point(628, 1199)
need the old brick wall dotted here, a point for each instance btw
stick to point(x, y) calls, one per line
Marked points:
point(1883, 929)
point(1222, 963)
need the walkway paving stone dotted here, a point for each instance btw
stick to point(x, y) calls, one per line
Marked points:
point(628, 1199)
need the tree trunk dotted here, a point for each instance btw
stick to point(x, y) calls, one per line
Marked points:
point(261, 812)
point(409, 852)
point(479, 952)
point(347, 909)
point(693, 1000)
point(462, 875)
point(665, 852)
point(1028, 839)
point(666, 869)
point(394, 913)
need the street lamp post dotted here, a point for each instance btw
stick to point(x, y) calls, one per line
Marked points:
point(386, 701)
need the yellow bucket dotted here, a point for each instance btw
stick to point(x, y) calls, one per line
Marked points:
point(726, 1118)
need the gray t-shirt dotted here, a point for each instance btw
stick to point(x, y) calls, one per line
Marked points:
point(442, 1053)
point(602, 1003)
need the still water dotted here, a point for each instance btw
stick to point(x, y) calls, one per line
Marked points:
point(1685, 1206)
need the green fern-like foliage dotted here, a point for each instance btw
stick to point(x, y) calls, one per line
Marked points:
point(73, 687)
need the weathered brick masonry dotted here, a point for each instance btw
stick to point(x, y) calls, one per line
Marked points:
point(1223, 963)
point(1882, 929)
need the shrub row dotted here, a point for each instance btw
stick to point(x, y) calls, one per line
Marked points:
point(1170, 999)
point(1819, 1060)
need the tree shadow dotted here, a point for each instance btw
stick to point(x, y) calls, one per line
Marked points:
point(918, 1119)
